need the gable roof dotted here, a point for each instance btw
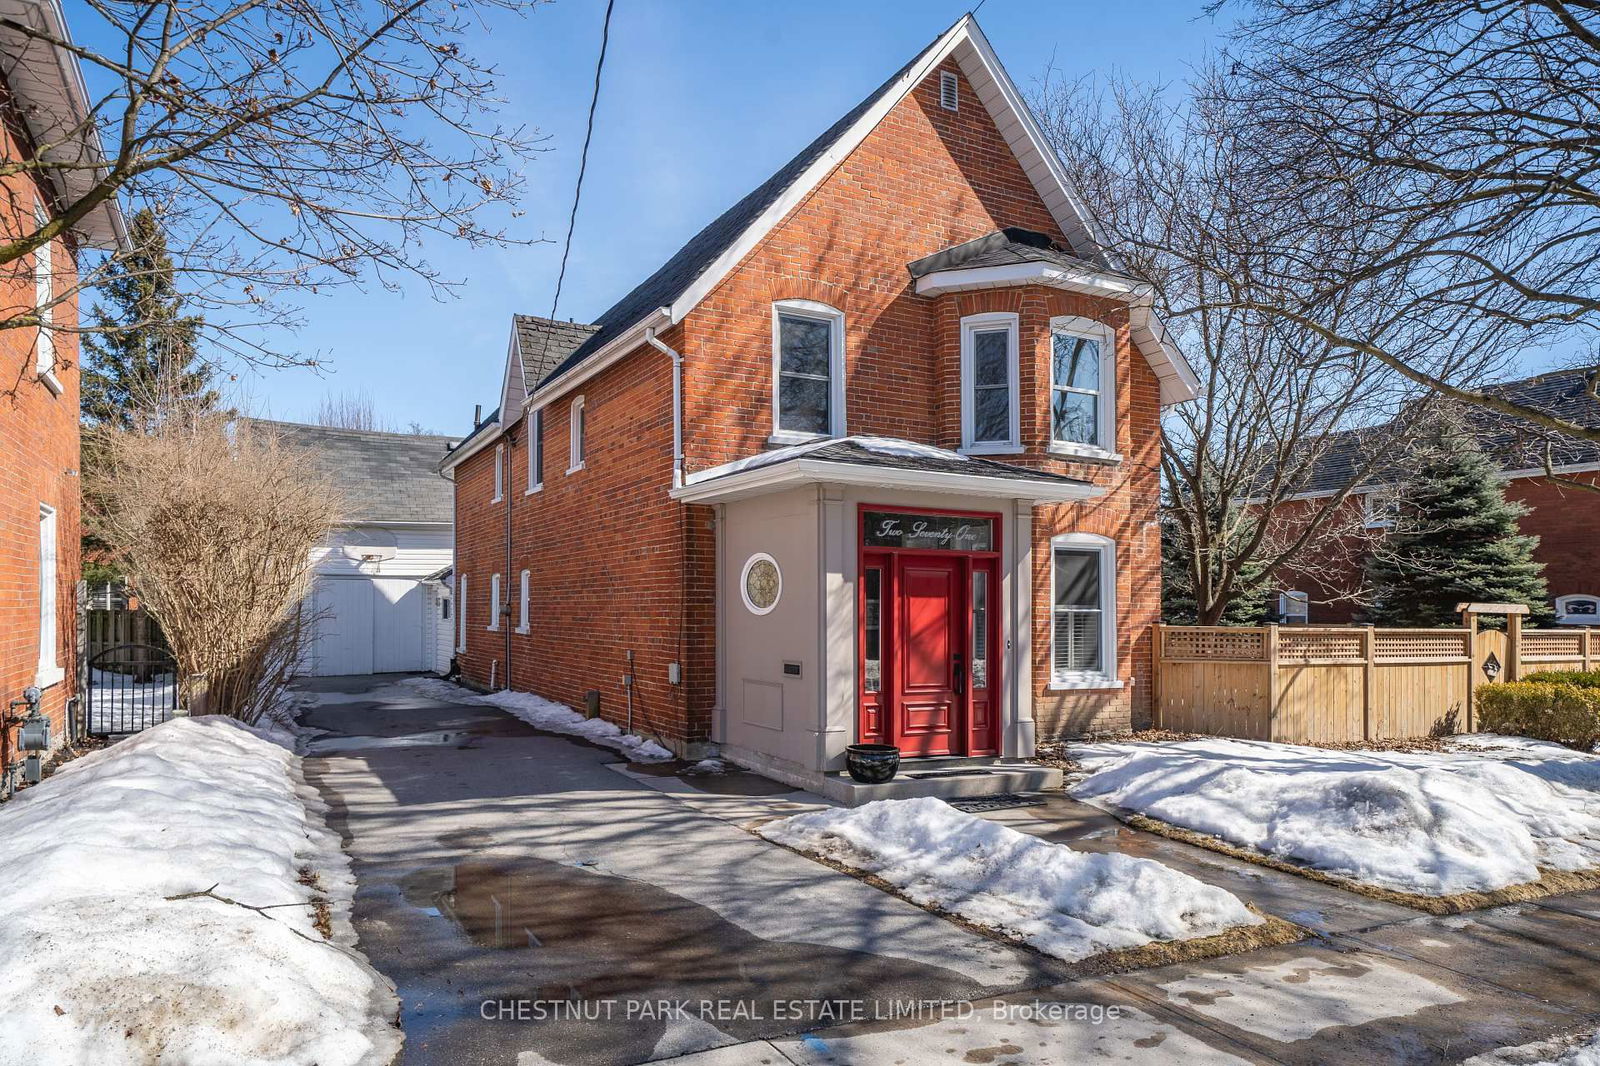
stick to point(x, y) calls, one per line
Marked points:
point(667, 295)
point(1513, 444)
point(545, 343)
point(384, 477)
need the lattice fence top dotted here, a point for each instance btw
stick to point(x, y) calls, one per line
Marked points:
point(1553, 643)
point(1303, 646)
point(1391, 645)
point(1202, 642)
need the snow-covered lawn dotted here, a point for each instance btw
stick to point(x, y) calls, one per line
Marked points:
point(98, 964)
point(547, 715)
point(1582, 1049)
point(1484, 815)
point(1065, 903)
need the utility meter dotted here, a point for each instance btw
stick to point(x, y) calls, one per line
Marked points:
point(34, 734)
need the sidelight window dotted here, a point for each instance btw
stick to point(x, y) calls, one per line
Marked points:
point(980, 629)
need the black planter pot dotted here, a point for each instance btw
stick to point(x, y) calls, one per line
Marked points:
point(872, 764)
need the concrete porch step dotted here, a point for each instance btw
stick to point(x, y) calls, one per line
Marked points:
point(944, 779)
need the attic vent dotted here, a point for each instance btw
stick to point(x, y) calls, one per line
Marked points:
point(949, 99)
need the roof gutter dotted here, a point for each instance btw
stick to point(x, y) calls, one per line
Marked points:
point(763, 479)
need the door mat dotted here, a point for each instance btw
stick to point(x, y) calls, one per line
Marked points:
point(1003, 802)
point(971, 771)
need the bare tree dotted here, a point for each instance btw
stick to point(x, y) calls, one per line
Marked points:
point(352, 409)
point(214, 522)
point(1461, 137)
point(285, 146)
point(1177, 208)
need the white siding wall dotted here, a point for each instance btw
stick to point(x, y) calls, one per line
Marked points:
point(417, 551)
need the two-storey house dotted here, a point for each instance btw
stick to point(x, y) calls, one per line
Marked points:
point(872, 458)
point(46, 109)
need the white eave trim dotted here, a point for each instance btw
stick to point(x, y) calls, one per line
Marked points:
point(1178, 381)
point(466, 451)
point(612, 351)
point(798, 472)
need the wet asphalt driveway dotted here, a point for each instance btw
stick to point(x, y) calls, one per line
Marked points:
point(535, 903)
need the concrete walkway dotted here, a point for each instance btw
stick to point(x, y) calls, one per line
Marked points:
point(535, 905)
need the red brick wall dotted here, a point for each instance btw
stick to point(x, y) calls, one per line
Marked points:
point(617, 565)
point(38, 464)
point(1563, 517)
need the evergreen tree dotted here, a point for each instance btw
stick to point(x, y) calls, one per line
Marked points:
point(148, 356)
point(1455, 538)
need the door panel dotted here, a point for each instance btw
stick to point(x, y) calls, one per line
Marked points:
point(926, 702)
point(397, 644)
point(344, 626)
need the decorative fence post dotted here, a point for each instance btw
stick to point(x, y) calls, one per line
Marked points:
point(1369, 678)
point(1271, 644)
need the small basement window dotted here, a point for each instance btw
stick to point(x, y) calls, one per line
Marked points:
point(1578, 610)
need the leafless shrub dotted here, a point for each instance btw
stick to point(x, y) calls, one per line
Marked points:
point(214, 520)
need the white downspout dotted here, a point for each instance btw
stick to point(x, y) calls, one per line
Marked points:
point(677, 405)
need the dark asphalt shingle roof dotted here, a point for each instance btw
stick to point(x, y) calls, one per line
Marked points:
point(544, 343)
point(391, 477)
point(694, 258)
point(848, 451)
point(1003, 247)
point(1513, 444)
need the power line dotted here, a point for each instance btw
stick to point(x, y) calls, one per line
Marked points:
point(583, 166)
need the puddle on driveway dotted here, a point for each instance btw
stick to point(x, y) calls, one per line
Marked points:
point(588, 967)
point(498, 726)
point(732, 783)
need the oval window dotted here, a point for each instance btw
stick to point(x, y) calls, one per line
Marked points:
point(761, 583)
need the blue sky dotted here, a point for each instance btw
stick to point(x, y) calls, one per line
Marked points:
point(702, 101)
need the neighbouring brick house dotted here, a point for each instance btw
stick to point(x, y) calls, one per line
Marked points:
point(910, 494)
point(43, 101)
point(1564, 517)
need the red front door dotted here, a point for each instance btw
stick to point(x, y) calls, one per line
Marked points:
point(926, 718)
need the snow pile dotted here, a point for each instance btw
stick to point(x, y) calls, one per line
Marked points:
point(880, 445)
point(1066, 903)
point(548, 715)
point(1483, 816)
point(1581, 1049)
point(98, 965)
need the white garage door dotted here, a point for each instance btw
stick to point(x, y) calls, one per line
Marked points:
point(368, 625)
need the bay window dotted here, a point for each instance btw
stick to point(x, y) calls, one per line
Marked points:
point(1082, 388)
point(990, 421)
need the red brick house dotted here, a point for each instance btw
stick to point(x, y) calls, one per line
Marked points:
point(43, 98)
point(872, 458)
point(1564, 517)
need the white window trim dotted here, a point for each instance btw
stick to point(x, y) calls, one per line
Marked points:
point(1089, 679)
point(494, 604)
point(44, 294)
point(50, 671)
point(522, 614)
point(535, 450)
point(1561, 609)
point(576, 440)
point(835, 318)
point(1371, 516)
point(971, 326)
point(499, 473)
point(461, 612)
point(1293, 596)
point(1106, 404)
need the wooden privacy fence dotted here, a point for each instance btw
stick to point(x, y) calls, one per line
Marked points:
point(1329, 685)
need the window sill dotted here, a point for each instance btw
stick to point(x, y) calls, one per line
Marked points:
point(574, 469)
point(491, 629)
point(1079, 684)
point(787, 437)
point(1083, 451)
point(991, 449)
point(52, 383)
point(530, 490)
point(522, 631)
point(48, 676)
point(496, 499)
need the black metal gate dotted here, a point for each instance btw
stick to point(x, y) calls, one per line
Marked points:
point(131, 687)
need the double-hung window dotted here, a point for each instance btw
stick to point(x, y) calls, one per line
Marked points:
point(1083, 610)
point(494, 602)
point(522, 612)
point(50, 670)
point(499, 473)
point(1082, 388)
point(535, 450)
point(461, 613)
point(990, 421)
point(577, 431)
point(807, 371)
point(44, 295)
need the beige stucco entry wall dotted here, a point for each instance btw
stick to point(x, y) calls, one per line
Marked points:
point(795, 723)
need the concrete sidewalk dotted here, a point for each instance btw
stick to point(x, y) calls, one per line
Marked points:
point(510, 881)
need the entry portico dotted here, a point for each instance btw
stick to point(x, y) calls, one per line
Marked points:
point(875, 590)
